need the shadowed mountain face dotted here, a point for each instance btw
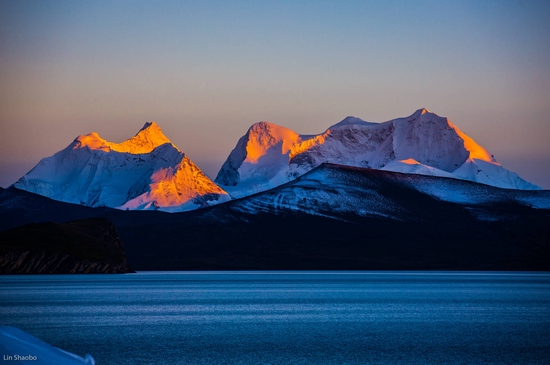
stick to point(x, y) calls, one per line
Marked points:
point(145, 172)
point(148, 172)
point(79, 247)
point(336, 217)
point(423, 143)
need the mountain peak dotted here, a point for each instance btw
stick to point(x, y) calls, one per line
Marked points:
point(146, 140)
point(93, 141)
point(422, 143)
point(474, 150)
point(264, 136)
point(151, 124)
point(350, 120)
point(269, 133)
point(144, 172)
point(420, 112)
point(264, 125)
point(151, 130)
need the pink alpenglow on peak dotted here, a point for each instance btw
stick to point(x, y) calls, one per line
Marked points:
point(422, 143)
point(146, 140)
point(144, 172)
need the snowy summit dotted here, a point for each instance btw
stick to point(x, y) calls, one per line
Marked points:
point(144, 172)
point(422, 143)
point(148, 172)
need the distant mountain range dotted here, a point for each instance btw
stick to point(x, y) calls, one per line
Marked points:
point(333, 217)
point(423, 143)
point(147, 172)
point(412, 193)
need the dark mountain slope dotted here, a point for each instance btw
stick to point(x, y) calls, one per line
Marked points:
point(85, 246)
point(337, 217)
point(351, 218)
point(19, 207)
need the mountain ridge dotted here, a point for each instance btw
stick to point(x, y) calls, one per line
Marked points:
point(268, 155)
point(149, 137)
point(351, 219)
point(146, 171)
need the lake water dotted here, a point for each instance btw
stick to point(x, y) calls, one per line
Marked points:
point(287, 317)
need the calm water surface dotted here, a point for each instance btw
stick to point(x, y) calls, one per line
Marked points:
point(287, 317)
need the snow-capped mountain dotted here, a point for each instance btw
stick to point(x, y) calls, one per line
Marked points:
point(344, 192)
point(332, 217)
point(424, 143)
point(144, 172)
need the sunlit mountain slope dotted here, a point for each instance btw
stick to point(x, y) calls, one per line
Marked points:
point(333, 217)
point(423, 143)
point(145, 172)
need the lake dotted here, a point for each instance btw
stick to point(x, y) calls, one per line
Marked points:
point(287, 317)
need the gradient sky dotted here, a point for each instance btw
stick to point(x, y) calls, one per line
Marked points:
point(207, 70)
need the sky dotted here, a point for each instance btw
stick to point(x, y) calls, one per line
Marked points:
point(205, 71)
